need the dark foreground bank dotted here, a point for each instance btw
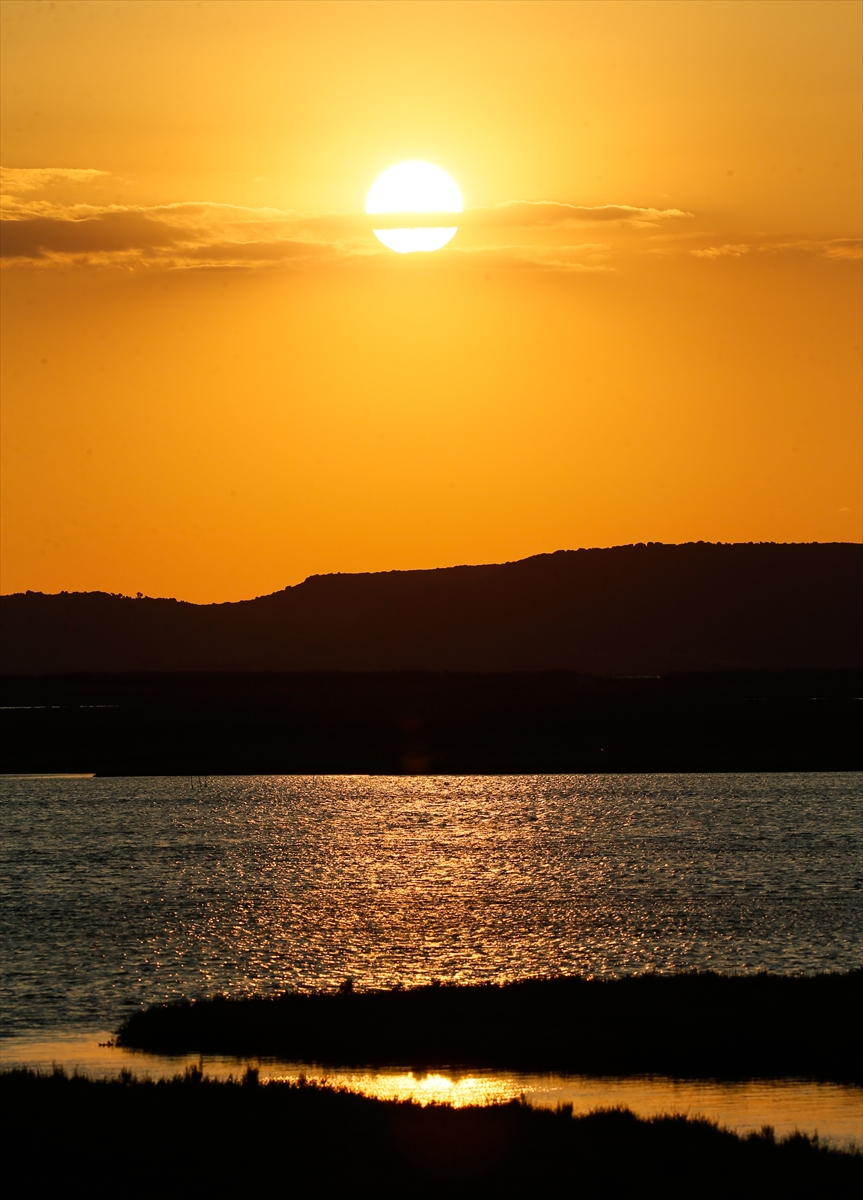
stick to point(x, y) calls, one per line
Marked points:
point(195, 1137)
point(696, 1026)
point(438, 722)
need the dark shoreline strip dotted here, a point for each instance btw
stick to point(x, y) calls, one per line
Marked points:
point(695, 1026)
point(193, 1137)
point(439, 723)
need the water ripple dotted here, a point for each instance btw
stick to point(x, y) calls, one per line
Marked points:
point(117, 892)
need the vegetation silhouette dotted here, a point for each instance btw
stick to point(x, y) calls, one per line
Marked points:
point(192, 1136)
point(696, 1025)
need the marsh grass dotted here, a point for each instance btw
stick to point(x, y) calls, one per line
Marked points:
point(194, 1136)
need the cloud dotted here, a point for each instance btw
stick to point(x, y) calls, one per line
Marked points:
point(850, 249)
point(16, 181)
point(130, 238)
point(535, 214)
point(109, 232)
point(590, 256)
point(726, 251)
point(543, 213)
point(51, 217)
point(189, 234)
point(838, 248)
point(256, 253)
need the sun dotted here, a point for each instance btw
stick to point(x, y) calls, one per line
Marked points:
point(414, 187)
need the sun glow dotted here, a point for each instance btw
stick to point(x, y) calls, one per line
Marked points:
point(414, 187)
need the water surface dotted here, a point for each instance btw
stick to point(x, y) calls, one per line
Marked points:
point(120, 892)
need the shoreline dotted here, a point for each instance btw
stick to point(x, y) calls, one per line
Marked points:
point(693, 1026)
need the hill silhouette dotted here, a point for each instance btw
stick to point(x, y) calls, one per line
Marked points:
point(629, 610)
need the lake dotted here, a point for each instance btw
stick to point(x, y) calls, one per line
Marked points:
point(121, 892)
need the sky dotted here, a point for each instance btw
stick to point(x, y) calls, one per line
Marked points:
point(216, 381)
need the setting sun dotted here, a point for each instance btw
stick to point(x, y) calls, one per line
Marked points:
point(414, 187)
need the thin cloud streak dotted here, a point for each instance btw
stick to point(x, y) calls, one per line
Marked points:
point(839, 249)
point(725, 251)
point(523, 214)
point(592, 256)
point(18, 181)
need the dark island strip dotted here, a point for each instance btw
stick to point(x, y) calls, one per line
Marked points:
point(411, 722)
point(696, 1026)
point(194, 1137)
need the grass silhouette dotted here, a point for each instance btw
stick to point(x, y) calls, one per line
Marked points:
point(695, 1025)
point(193, 1136)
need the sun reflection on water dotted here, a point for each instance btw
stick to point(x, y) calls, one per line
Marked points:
point(433, 1088)
point(832, 1111)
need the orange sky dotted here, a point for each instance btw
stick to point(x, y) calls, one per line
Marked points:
point(215, 382)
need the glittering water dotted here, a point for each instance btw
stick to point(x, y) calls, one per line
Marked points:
point(117, 892)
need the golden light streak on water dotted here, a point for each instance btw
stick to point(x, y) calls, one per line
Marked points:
point(832, 1111)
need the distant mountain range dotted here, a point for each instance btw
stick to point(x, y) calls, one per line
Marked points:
point(630, 610)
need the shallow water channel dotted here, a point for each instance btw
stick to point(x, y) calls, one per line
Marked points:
point(832, 1111)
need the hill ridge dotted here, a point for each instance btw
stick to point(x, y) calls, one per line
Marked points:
point(642, 608)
